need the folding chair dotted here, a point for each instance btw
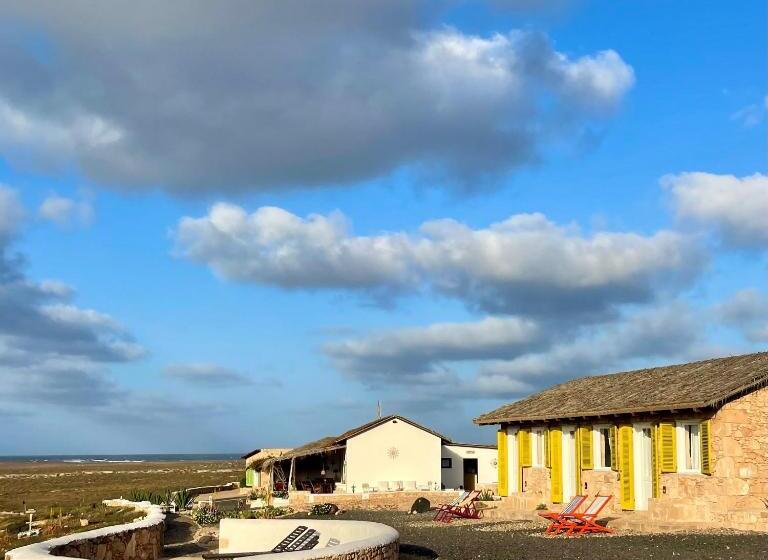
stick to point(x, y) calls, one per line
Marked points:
point(556, 516)
point(467, 509)
point(585, 522)
point(441, 508)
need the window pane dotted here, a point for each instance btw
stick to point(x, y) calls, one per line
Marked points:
point(605, 434)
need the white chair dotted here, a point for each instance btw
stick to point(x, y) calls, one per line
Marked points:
point(398, 485)
point(383, 486)
point(366, 487)
point(410, 485)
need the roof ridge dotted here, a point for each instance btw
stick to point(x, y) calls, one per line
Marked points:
point(706, 383)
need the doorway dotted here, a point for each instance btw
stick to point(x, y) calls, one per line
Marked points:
point(470, 474)
point(569, 463)
point(643, 461)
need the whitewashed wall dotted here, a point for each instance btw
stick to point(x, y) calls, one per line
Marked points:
point(395, 451)
point(487, 465)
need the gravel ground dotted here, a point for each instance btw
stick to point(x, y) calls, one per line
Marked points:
point(422, 538)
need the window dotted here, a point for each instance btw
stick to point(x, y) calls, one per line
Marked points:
point(691, 446)
point(603, 449)
point(446, 463)
point(537, 446)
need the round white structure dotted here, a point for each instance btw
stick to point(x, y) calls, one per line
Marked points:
point(347, 540)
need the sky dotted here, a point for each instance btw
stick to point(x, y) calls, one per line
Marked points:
point(234, 225)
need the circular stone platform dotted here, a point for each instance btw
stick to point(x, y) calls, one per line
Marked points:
point(338, 540)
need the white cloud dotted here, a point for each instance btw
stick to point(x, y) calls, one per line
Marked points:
point(747, 311)
point(503, 358)
point(751, 115)
point(669, 331)
point(208, 374)
point(416, 354)
point(64, 211)
point(372, 87)
point(525, 264)
point(736, 206)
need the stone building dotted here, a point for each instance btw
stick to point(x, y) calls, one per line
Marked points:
point(678, 444)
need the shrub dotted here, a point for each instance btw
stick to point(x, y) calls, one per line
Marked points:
point(258, 494)
point(486, 496)
point(206, 515)
point(323, 509)
point(183, 499)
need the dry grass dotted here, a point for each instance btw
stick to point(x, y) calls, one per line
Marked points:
point(61, 521)
point(45, 485)
point(63, 493)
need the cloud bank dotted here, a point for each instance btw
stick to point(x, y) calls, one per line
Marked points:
point(525, 264)
point(287, 93)
point(735, 207)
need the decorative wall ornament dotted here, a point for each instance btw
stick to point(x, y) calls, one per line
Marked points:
point(393, 453)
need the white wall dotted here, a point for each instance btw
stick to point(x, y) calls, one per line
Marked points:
point(487, 465)
point(369, 457)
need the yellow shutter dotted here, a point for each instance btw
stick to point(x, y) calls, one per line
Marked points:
point(585, 444)
point(626, 468)
point(705, 437)
point(524, 446)
point(501, 440)
point(667, 447)
point(655, 463)
point(547, 459)
point(577, 459)
point(613, 443)
point(556, 460)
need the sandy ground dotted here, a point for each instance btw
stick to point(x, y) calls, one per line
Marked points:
point(422, 538)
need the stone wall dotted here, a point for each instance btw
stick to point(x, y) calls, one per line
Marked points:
point(395, 501)
point(141, 544)
point(389, 551)
point(731, 497)
point(139, 540)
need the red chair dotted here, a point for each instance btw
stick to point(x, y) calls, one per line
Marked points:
point(442, 508)
point(585, 522)
point(468, 508)
point(555, 517)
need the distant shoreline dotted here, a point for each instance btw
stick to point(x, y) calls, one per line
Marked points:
point(123, 458)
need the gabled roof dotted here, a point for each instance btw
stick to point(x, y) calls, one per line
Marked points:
point(379, 421)
point(699, 385)
point(332, 443)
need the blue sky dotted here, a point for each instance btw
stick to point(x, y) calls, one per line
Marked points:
point(243, 205)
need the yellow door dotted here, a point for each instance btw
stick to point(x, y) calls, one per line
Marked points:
point(556, 460)
point(501, 437)
point(626, 468)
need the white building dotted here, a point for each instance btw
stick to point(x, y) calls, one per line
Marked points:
point(389, 454)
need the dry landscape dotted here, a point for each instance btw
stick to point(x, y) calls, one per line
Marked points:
point(55, 484)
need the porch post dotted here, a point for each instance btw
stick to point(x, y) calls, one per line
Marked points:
point(292, 475)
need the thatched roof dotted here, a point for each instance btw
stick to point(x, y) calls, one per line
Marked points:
point(699, 385)
point(332, 443)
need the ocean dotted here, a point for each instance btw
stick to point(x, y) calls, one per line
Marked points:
point(128, 458)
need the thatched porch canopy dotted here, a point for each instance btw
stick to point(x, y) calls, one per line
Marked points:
point(695, 386)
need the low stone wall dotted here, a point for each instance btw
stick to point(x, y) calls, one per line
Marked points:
point(140, 540)
point(354, 540)
point(389, 551)
point(396, 501)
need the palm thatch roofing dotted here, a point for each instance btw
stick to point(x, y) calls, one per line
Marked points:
point(706, 384)
point(332, 443)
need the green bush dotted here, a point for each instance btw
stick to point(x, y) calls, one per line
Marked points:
point(485, 496)
point(207, 515)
